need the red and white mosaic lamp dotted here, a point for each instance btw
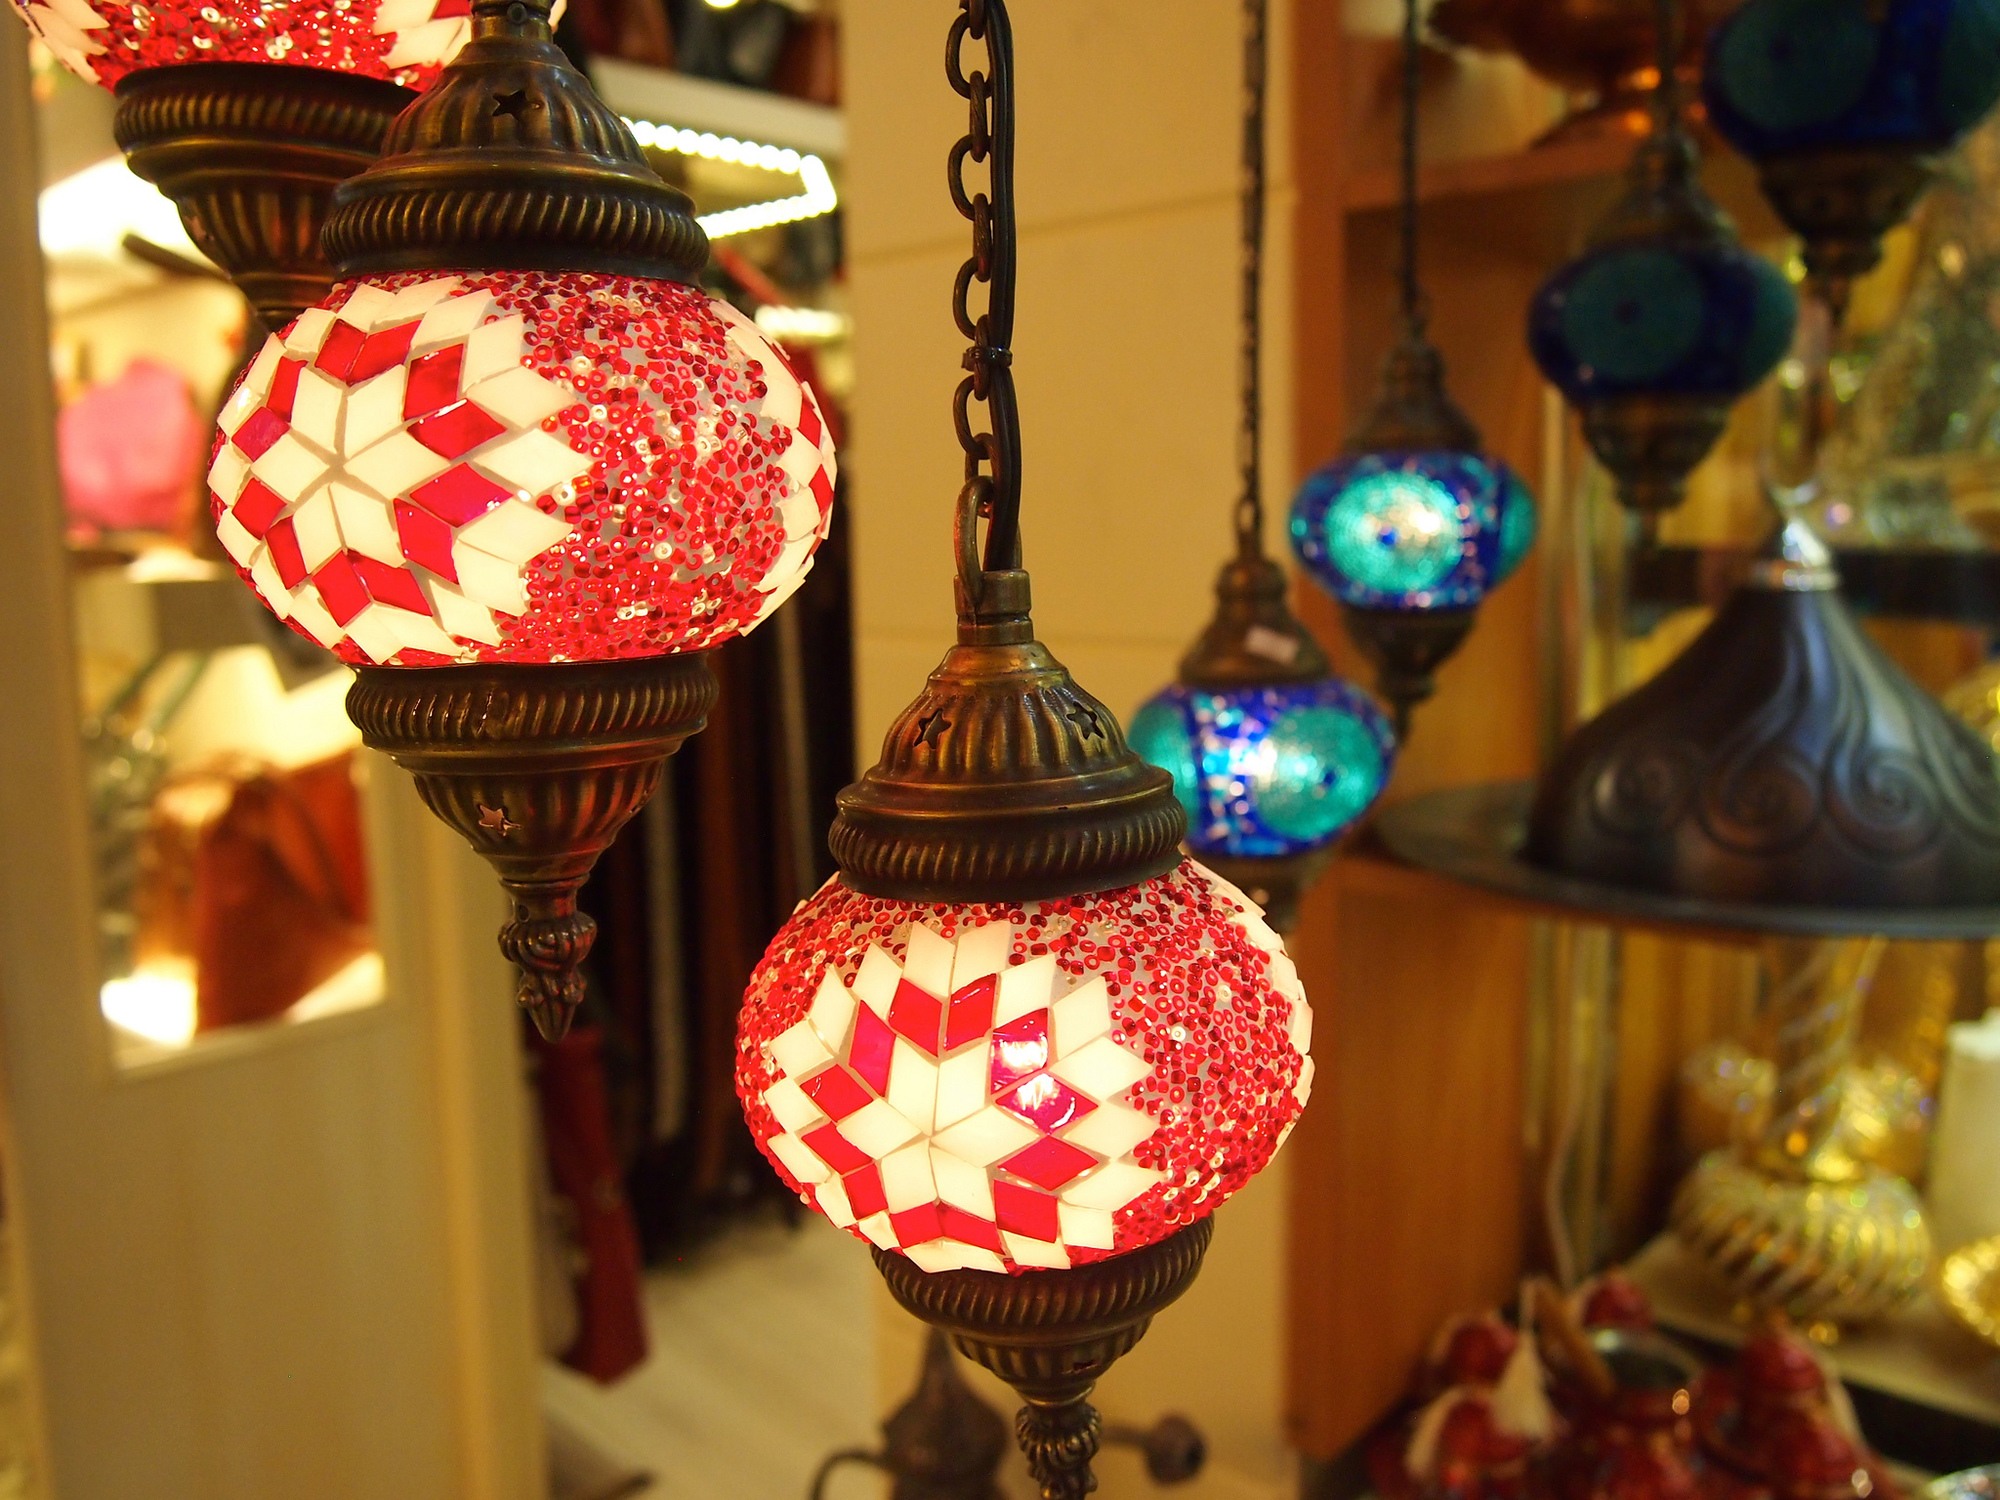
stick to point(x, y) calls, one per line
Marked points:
point(512, 466)
point(1019, 1043)
point(1008, 1086)
point(521, 473)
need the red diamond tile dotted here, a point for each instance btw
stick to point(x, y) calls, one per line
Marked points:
point(970, 1229)
point(285, 554)
point(822, 488)
point(873, 1050)
point(913, 1226)
point(971, 1013)
point(1049, 1163)
point(836, 1091)
point(457, 430)
point(383, 351)
point(1045, 1102)
point(285, 387)
point(835, 1149)
point(398, 586)
point(918, 1015)
point(1020, 1047)
point(340, 588)
point(864, 1191)
point(260, 430)
point(459, 495)
point(1026, 1212)
point(426, 540)
point(258, 507)
point(434, 382)
point(338, 349)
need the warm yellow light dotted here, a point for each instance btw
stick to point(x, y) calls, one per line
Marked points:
point(156, 1003)
point(802, 325)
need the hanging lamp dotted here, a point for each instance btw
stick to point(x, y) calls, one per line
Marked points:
point(521, 473)
point(248, 113)
point(1847, 107)
point(1019, 1043)
point(1665, 321)
point(1273, 757)
point(1415, 523)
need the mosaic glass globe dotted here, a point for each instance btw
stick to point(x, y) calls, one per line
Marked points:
point(521, 467)
point(1019, 1086)
point(1412, 531)
point(401, 41)
point(1794, 75)
point(1639, 315)
point(1265, 772)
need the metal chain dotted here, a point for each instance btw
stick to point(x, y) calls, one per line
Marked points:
point(992, 458)
point(1415, 312)
point(1250, 439)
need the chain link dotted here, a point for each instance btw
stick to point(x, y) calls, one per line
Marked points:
point(1250, 437)
point(992, 490)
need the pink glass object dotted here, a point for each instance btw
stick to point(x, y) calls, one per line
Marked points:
point(130, 451)
point(521, 467)
point(1011, 1087)
point(403, 41)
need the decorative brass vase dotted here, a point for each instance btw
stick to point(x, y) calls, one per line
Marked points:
point(1800, 1221)
point(251, 154)
point(1604, 52)
point(1051, 1335)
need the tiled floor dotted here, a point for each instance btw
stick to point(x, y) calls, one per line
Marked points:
point(763, 1362)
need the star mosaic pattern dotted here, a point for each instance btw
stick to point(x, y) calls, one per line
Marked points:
point(403, 41)
point(1011, 1088)
point(514, 468)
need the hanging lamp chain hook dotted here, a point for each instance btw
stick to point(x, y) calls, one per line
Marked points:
point(1250, 437)
point(1667, 62)
point(992, 492)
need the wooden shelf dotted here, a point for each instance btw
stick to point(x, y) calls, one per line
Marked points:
point(679, 99)
point(1534, 169)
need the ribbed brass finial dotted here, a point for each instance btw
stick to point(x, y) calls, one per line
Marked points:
point(1413, 413)
point(1005, 780)
point(512, 162)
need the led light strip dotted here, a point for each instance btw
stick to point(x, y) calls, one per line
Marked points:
point(818, 198)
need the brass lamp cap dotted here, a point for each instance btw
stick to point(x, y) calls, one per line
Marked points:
point(1413, 413)
point(1254, 640)
point(1005, 780)
point(1663, 197)
point(512, 162)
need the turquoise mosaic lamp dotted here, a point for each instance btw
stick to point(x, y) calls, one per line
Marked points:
point(1847, 107)
point(1415, 523)
point(1273, 757)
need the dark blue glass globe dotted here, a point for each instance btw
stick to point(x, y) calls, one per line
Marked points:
point(1662, 317)
point(1797, 75)
point(1265, 772)
point(1412, 531)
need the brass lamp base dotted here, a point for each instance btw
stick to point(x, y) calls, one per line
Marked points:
point(1651, 443)
point(1406, 647)
point(1841, 203)
point(538, 767)
point(250, 153)
point(1822, 1252)
point(1051, 1335)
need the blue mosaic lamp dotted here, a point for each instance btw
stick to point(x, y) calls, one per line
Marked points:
point(1664, 322)
point(1846, 107)
point(1273, 757)
point(1414, 523)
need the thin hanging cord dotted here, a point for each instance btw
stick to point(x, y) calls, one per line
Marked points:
point(1413, 295)
point(1250, 437)
point(1666, 58)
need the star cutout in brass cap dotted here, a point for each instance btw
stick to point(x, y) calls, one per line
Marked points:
point(931, 726)
point(495, 820)
point(517, 104)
